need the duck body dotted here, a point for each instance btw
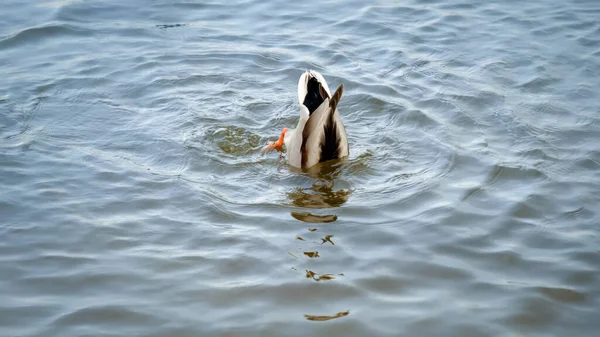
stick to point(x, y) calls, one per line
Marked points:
point(320, 134)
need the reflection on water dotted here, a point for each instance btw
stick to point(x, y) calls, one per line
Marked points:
point(312, 254)
point(327, 238)
point(309, 217)
point(320, 277)
point(320, 195)
point(326, 318)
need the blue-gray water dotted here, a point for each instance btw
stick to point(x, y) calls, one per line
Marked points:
point(135, 200)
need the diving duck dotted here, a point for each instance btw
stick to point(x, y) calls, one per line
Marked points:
point(320, 134)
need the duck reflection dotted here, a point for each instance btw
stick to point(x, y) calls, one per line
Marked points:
point(309, 217)
point(321, 194)
point(328, 317)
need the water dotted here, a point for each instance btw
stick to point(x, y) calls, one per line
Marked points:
point(135, 200)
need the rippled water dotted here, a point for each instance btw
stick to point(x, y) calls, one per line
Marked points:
point(135, 199)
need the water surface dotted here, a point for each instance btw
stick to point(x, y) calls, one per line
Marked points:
point(136, 202)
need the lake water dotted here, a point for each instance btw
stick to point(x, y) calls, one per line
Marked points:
point(135, 200)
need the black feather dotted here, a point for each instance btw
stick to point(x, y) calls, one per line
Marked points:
point(315, 95)
point(330, 144)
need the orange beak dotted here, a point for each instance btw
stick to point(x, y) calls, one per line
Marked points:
point(278, 145)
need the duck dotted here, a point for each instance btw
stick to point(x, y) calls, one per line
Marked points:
point(320, 135)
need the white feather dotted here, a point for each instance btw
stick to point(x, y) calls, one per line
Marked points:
point(293, 139)
point(303, 84)
point(314, 127)
point(314, 124)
